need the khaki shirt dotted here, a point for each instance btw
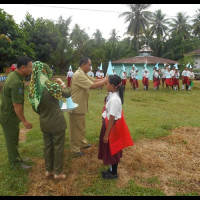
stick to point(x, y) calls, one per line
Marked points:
point(80, 86)
point(13, 92)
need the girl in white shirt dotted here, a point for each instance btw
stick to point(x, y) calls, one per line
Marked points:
point(111, 116)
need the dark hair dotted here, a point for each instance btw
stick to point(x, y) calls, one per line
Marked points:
point(23, 60)
point(116, 81)
point(84, 60)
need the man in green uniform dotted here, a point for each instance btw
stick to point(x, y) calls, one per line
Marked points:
point(11, 110)
point(81, 83)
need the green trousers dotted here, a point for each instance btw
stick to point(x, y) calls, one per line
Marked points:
point(11, 134)
point(54, 151)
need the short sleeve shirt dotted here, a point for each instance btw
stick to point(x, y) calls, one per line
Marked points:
point(13, 92)
point(81, 83)
point(113, 106)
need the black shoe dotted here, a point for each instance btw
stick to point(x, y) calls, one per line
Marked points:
point(105, 171)
point(88, 146)
point(80, 154)
point(25, 167)
point(109, 175)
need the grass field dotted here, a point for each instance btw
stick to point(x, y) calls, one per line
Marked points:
point(149, 115)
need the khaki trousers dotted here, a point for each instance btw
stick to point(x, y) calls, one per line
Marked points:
point(77, 132)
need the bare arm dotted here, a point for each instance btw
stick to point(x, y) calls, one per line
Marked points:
point(99, 83)
point(19, 112)
point(110, 125)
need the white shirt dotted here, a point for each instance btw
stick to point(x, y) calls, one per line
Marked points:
point(146, 74)
point(168, 74)
point(186, 73)
point(70, 74)
point(177, 75)
point(123, 76)
point(133, 74)
point(163, 71)
point(191, 75)
point(101, 75)
point(113, 106)
point(90, 73)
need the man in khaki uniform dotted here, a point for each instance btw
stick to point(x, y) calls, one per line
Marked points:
point(81, 83)
point(11, 110)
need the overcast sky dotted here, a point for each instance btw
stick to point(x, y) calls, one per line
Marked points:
point(103, 17)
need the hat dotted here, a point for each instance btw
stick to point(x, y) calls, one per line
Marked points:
point(176, 66)
point(100, 68)
point(69, 103)
point(169, 67)
point(156, 66)
point(123, 68)
point(70, 67)
point(110, 69)
point(188, 65)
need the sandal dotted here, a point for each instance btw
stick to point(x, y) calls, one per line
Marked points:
point(48, 174)
point(59, 177)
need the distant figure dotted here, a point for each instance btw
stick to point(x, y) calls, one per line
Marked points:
point(70, 73)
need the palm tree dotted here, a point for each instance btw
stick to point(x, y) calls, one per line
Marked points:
point(138, 20)
point(114, 37)
point(98, 38)
point(196, 25)
point(159, 25)
point(180, 25)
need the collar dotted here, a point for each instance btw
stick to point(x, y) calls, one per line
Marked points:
point(18, 75)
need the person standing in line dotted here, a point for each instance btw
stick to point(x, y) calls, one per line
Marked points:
point(124, 78)
point(114, 129)
point(168, 77)
point(146, 76)
point(44, 96)
point(176, 79)
point(163, 74)
point(81, 83)
point(70, 73)
point(191, 78)
point(12, 110)
point(131, 74)
point(185, 78)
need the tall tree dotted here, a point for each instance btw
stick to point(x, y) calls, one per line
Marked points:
point(180, 25)
point(138, 19)
point(196, 24)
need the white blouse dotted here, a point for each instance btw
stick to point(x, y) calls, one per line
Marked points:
point(113, 106)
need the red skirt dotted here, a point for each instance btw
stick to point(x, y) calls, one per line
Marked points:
point(69, 81)
point(176, 81)
point(186, 80)
point(131, 80)
point(123, 82)
point(145, 81)
point(156, 82)
point(168, 81)
point(104, 149)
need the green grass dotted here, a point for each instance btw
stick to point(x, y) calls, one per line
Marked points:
point(149, 114)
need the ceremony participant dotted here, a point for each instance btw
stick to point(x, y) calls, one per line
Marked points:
point(44, 96)
point(124, 77)
point(163, 74)
point(168, 75)
point(97, 73)
point(81, 83)
point(176, 79)
point(114, 129)
point(113, 68)
point(136, 78)
point(12, 110)
point(156, 78)
point(131, 74)
point(191, 78)
point(91, 73)
point(146, 76)
point(185, 77)
point(70, 73)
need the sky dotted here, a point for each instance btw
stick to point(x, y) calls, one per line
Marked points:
point(104, 17)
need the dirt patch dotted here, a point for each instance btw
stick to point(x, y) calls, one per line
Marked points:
point(22, 134)
point(171, 164)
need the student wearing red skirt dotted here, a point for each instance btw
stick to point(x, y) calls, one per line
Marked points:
point(185, 77)
point(168, 74)
point(114, 134)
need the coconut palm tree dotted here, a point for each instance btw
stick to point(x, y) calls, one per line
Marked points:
point(196, 25)
point(138, 19)
point(180, 25)
point(159, 24)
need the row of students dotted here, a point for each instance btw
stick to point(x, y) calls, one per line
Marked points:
point(169, 77)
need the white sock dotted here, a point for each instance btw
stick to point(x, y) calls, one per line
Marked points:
point(189, 87)
point(183, 87)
